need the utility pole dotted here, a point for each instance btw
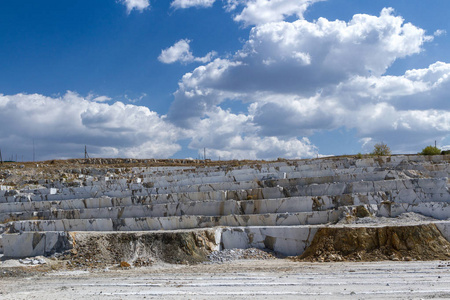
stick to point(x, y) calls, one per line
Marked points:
point(1, 158)
point(34, 156)
point(86, 156)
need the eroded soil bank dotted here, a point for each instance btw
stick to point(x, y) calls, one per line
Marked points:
point(415, 242)
point(96, 249)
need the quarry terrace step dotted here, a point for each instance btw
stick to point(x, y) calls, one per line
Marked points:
point(319, 176)
point(308, 170)
point(403, 195)
point(436, 210)
point(176, 222)
point(116, 209)
point(290, 172)
point(303, 165)
point(303, 169)
point(326, 175)
point(288, 186)
point(210, 183)
point(286, 240)
point(179, 181)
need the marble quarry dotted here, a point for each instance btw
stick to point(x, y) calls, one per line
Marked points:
point(274, 205)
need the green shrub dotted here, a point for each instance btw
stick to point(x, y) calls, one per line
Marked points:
point(381, 149)
point(430, 150)
point(445, 152)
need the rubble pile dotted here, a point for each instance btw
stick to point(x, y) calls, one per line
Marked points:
point(228, 255)
point(137, 249)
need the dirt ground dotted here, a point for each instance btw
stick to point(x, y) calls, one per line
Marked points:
point(242, 279)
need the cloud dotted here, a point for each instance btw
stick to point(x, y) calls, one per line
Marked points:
point(233, 136)
point(301, 58)
point(97, 98)
point(136, 4)
point(256, 12)
point(135, 99)
point(191, 3)
point(62, 126)
point(407, 131)
point(404, 111)
point(101, 99)
point(268, 148)
point(417, 89)
point(440, 32)
point(180, 52)
point(298, 78)
point(291, 116)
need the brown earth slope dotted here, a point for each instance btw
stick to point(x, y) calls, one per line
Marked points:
point(418, 242)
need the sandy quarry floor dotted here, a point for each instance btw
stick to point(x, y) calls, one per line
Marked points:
point(247, 279)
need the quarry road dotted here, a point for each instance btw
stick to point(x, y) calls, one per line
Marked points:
point(246, 279)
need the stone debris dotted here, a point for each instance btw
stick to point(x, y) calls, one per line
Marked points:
point(402, 219)
point(229, 255)
point(32, 261)
point(98, 250)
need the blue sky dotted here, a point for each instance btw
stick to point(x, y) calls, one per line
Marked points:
point(256, 79)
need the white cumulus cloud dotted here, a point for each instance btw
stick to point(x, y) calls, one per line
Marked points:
point(440, 32)
point(191, 3)
point(257, 12)
point(61, 127)
point(136, 4)
point(233, 136)
point(254, 12)
point(301, 58)
point(298, 78)
point(180, 52)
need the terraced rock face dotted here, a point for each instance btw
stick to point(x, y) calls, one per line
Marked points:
point(284, 206)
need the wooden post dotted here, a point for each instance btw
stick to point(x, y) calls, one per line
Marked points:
point(86, 155)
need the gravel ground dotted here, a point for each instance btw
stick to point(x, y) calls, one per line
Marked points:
point(228, 255)
point(404, 218)
point(241, 279)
